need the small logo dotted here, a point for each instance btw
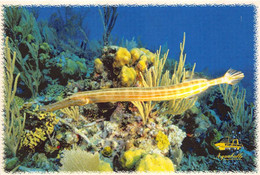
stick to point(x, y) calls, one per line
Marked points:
point(227, 144)
point(233, 156)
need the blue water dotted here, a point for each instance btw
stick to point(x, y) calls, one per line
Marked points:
point(217, 37)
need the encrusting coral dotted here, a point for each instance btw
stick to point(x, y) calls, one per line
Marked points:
point(45, 127)
point(99, 67)
point(123, 57)
point(162, 141)
point(155, 163)
point(131, 157)
point(107, 151)
point(127, 76)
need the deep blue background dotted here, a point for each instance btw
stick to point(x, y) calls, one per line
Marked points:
point(217, 37)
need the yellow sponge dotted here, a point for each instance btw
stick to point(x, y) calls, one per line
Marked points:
point(99, 67)
point(135, 54)
point(155, 162)
point(127, 76)
point(144, 50)
point(131, 157)
point(123, 57)
point(162, 141)
point(142, 64)
point(149, 54)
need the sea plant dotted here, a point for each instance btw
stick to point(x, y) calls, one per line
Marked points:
point(19, 24)
point(69, 29)
point(71, 112)
point(25, 40)
point(235, 99)
point(154, 77)
point(14, 121)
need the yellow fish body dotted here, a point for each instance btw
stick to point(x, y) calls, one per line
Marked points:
point(161, 93)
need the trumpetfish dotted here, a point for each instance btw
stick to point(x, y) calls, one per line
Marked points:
point(160, 93)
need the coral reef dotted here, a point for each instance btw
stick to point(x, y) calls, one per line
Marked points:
point(154, 77)
point(50, 61)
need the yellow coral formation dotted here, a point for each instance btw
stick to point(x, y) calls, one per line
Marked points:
point(135, 54)
point(123, 57)
point(162, 141)
point(131, 157)
point(144, 56)
point(107, 151)
point(127, 76)
point(99, 67)
point(151, 56)
point(32, 138)
point(142, 64)
point(155, 162)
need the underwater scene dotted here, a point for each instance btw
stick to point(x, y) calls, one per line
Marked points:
point(129, 88)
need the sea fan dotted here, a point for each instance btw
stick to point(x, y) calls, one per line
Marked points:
point(77, 160)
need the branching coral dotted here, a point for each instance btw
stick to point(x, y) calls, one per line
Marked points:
point(72, 112)
point(14, 120)
point(154, 77)
point(235, 99)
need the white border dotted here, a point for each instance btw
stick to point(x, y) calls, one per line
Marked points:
point(256, 3)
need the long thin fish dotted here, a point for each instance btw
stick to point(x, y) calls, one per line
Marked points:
point(161, 93)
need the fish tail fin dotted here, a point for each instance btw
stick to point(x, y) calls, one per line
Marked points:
point(233, 77)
